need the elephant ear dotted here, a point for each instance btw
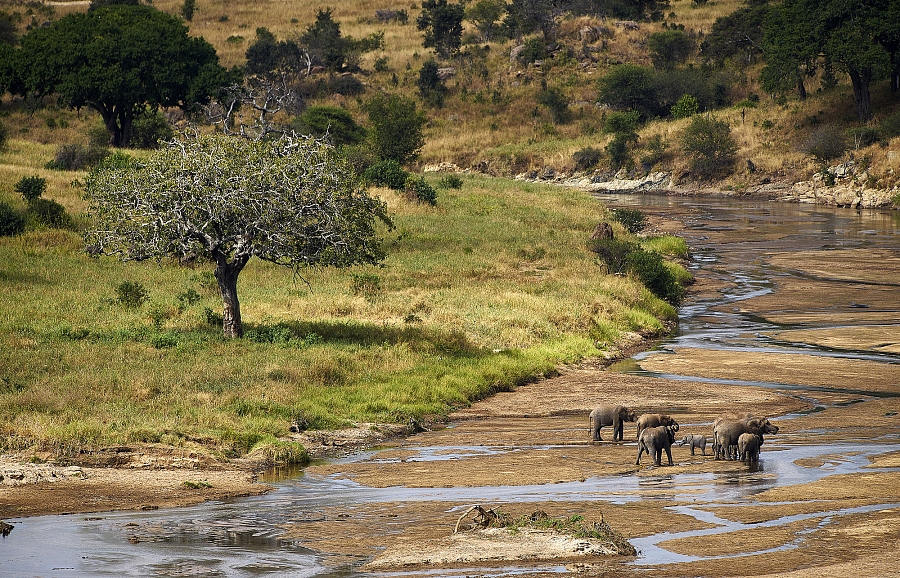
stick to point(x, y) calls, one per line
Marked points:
point(675, 426)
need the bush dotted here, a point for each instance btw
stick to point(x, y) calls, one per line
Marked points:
point(825, 143)
point(419, 189)
point(431, 87)
point(396, 131)
point(669, 48)
point(633, 220)
point(556, 101)
point(890, 126)
point(335, 122)
point(651, 270)
point(586, 158)
point(11, 222)
point(534, 50)
point(148, 128)
point(77, 157)
point(709, 144)
point(131, 294)
point(345, 85)
point(387, 173)
point(450, 182)
point(864, 136)
point(366, 285)
point(613, 252)
point(686, 106)
point(48, 213)
point(619, 151)
point(31, 188)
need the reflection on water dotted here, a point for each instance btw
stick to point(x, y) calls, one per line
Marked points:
point(241, 538)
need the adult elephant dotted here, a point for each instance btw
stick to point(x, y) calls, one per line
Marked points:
point(655, 420)
point(610, 415)
point(727, 432)
point(654, 440)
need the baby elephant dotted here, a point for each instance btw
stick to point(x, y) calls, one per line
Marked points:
point(748, 447)
point(695, 441)
point(654, 440)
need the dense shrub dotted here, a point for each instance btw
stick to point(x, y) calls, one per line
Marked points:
point(11, 222)
point(534, 49)
point(345, 85)
point(890, 126)
point(613, 252)
point(148, 128)
point(450, 182)
point(557, 102)
point(619, 151)
point(332, 122)
point(650, 268)
point(387, 173)
point(825, 143)
point(633, 220)
point(48, 213)
point(587, 158)
point(77, 157)
point(669, 48)
point(419, 189)
point(131, 294)
point(687, 106)
point(31, 188)
point(396, 127)
point(431, 87)
point(708, 143)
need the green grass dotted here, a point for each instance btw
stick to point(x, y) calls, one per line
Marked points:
point(490, 289)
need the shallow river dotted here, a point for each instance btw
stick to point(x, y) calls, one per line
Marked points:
point(244, 537)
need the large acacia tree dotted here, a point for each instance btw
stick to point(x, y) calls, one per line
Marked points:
point(116, 59)
point(291, 201)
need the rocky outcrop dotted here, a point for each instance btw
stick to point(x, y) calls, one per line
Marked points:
point(842, 186)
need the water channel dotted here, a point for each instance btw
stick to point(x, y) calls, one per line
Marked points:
point(728, 237)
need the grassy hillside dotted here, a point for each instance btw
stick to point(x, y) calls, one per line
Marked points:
point(492, 287)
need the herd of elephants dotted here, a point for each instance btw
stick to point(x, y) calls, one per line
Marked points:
point(734, 437)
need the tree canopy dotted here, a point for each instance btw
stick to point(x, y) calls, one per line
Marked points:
point(396, 132)
point(291, 201)
point(116, 59)
point(442, 24)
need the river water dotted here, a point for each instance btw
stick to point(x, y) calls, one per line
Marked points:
point(244, 537)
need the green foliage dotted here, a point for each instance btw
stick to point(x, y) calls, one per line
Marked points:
point(11, 222)
point(650, 268)
point(669, 48)
point(890, 126)
point(633, 220)
point(587, 158)
point(431, 87)
point(826, 142)
point(112, 60)
point(149, 128)
point(77, 157)
point(450, 182)
point(420, 190)
point(367, 285)
point(4, 136)
point(575, 526)
point(330, 122)
point(737, 36)
point(485, 15)
point(131, 294)
point(396, 127)
point(47, 213)
point(656, 151)
point(619, 151)
point(326, 44)
point(267, 56)
point(686, 107)
point(31, 188)
point(442, 24)
point(629, 87)
point(187, 9)
point(387, 173)
point(345, 85)
point(624, 123)
point(707, 141)
point(534, 49)
point(556, 101)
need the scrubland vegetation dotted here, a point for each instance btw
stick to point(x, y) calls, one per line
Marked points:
point(488, 282)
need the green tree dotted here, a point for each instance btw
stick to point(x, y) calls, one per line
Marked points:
point(686, 106)
point(442, 24)
point(556, 101)
point(485, 15)
point(325, 42)
point(629, 87)
point(292, 202)
point(707, 141)
point(396, 127)
point(737, 36)
point(669, 48)
point(792, 45)
point(117, 59)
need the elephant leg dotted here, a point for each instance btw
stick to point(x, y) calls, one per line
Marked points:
point(668, 449)
point(640, 451)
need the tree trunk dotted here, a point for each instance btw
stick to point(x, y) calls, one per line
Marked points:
point(227, 275)
point(861, 96)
